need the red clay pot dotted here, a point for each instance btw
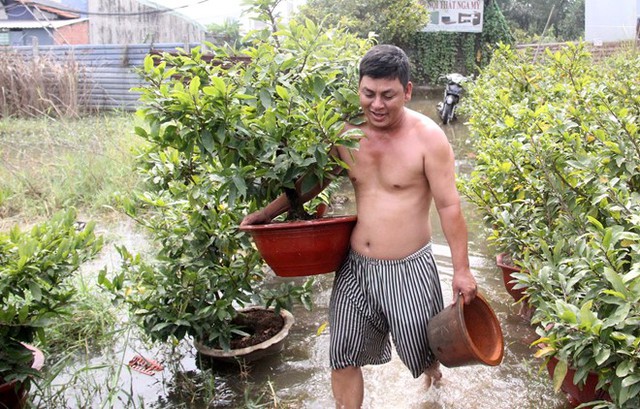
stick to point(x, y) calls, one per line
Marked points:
point(14, 395)
point(466, 334)
point(306, 247)
point(578, 395)
point(507, 270)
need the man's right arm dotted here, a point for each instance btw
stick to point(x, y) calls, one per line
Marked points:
point(281, 203)
point(267, 213)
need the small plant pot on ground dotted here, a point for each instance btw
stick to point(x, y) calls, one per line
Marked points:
point(506, 265)
point(250, 353)
point(578, 394)
point(303, 248)
point(13, 395)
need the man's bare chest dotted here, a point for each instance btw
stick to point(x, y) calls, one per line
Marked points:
point(389, 166)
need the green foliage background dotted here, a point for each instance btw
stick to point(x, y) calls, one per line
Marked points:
point(432, 54)
point(564, 20)
point(557, 180)
point(393, 21)
point(435, 54)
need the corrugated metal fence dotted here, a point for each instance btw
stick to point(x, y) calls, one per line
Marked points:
point(108, 70)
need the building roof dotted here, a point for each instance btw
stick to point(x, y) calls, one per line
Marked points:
point(33, 24)
point(51, 7)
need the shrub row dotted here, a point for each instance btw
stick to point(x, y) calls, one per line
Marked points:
point(558, 183)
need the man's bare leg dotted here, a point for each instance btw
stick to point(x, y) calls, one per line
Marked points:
point(348, 387)
point(433, 376)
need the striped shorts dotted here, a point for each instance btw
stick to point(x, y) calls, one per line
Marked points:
point(374, 298)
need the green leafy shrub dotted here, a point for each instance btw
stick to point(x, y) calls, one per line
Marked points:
point(557, 180)
point(35, 268)
point(205, 269)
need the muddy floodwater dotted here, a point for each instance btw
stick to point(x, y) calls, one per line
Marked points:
point(300, 375)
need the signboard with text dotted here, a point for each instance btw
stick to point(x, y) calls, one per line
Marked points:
point(461, 15)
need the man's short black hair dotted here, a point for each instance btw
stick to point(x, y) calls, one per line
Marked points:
point(386, 61)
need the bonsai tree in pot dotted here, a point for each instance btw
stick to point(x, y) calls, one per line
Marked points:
point(35, 267)
point(574, 122)
point(204, 272)
point(270, 121)
point(228, 134)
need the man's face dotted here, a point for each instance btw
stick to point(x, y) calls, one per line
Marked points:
point(383, 100)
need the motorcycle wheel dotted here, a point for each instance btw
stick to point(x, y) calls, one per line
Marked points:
point(447, 113)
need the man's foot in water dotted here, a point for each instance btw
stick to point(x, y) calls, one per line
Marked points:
point(433, 376)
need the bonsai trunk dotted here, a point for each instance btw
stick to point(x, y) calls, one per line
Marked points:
point(296, 208)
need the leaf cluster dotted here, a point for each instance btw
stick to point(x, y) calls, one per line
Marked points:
point(564, 21)
point(557, 181)
point(263, 123)
point(393, 22)
point(35, 268)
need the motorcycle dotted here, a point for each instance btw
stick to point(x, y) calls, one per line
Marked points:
point(452, 93)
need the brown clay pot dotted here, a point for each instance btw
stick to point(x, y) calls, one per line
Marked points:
point(306, 247)
point(507, 270)
point(466, 334)
point(14, 395)
point(249, 354)
point(577, 395)
point(253, 353)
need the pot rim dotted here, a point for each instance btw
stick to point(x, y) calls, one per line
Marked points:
point(327, 220)
point(500, 263)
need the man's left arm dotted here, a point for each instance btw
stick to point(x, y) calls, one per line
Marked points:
point(455, 231)
point(440, 169)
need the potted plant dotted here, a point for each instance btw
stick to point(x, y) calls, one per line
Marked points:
point(204, 274)
point(269, 122)
point(35, 267)
point(508, 267)
point(227, 135)
point(571, 123)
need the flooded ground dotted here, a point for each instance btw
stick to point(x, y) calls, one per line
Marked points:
point(299, 376)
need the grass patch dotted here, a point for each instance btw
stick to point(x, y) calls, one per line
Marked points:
point(51, 164)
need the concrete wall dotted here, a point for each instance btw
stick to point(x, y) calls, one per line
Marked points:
point(598, 51)
point(110, 22)
point(610, 20)
point(133, 21)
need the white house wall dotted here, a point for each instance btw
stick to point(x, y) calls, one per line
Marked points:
point(607, 20)
point(134, 21)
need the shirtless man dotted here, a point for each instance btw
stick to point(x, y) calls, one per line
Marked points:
point(389, 283)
